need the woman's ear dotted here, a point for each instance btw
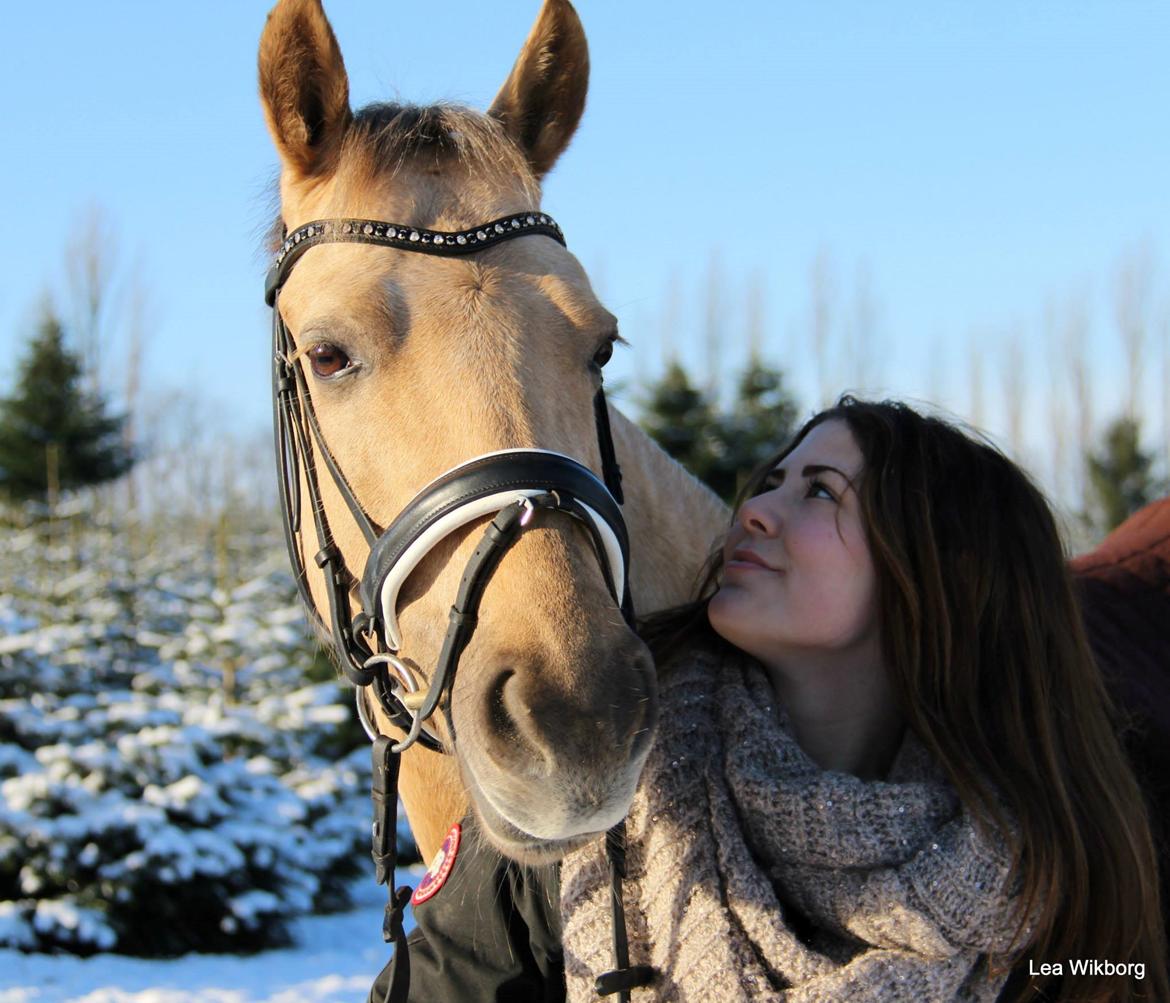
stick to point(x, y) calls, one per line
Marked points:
point(542, 100)
point(304, 88)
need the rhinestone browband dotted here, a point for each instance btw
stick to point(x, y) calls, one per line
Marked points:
point(411, 238)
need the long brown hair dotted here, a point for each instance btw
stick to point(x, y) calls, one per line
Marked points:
point(984, 645)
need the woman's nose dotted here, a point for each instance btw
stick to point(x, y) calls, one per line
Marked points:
point(760, 515)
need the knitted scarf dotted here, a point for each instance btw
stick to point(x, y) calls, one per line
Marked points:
point(752, 874)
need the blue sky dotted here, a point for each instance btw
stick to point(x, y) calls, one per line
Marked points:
point(977, 161)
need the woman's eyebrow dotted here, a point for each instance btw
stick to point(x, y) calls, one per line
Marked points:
point(775, 477)
point(820, 468)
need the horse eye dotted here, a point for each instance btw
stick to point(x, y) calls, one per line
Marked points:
point(327, 360)
point(604, 354)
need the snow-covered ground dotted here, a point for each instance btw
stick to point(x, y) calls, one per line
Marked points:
point(179, 771)
point(335, 961)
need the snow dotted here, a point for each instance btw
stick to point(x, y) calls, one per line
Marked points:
point(176, 769)
point(64, 917)
point(335, 960)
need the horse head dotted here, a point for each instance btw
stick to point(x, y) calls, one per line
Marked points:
point(415, 363)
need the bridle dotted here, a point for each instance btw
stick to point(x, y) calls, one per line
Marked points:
point(512, 485)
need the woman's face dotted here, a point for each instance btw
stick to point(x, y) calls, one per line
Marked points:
point(798, 579)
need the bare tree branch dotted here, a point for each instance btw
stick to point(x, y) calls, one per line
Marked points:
point(823, 291)
point(90, 264)
point(1014, 390)
point(1131, 309)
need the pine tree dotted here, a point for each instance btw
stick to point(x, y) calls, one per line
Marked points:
point(760, 424)
point(142, 811)
point(1120, 476)
point(51, 430)
point(720, 449)
point(679, 417)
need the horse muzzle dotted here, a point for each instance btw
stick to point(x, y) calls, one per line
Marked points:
point(551, 764)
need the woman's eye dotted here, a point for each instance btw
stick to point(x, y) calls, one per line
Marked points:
point(818, 490)
point(769, 483)
point(327, 360)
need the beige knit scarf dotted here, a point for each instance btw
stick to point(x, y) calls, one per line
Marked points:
point(755, 875)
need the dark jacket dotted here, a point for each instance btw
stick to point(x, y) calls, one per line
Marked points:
point(491, 933)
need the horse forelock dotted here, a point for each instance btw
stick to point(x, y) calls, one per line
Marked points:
point(386, 136)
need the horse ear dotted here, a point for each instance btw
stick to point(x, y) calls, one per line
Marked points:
point(304, 87)
point(542, 100)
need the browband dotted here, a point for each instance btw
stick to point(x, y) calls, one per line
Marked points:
point(409, 238)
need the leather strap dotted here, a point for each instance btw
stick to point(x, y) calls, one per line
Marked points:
point(609, 464)
point(446, 243)
point(624, 976)
point(384, 791)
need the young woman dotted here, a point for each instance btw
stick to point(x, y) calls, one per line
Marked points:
point(886, 768)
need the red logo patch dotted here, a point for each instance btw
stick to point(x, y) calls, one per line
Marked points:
point(440, 867)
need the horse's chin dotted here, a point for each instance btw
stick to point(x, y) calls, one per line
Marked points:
point(524, 847)
point(521, 846)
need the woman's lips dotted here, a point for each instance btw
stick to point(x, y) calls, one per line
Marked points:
point(747, 559)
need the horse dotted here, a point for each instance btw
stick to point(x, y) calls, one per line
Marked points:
point(415, 363)
point(1123, 586)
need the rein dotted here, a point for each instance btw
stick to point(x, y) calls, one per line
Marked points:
point(514, 485)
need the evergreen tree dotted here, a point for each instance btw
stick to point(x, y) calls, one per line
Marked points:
point(1120, 476)
point(679, 417)
point(142, 810)
point(758, 426)
point(51, 428)
point(720, 449)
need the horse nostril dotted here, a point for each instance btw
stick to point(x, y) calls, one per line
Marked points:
point(509, 719)
point(497, 706)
